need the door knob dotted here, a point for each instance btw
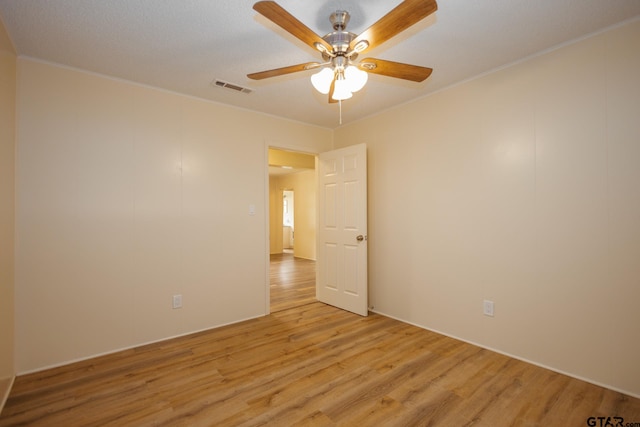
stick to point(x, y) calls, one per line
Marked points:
point(360, 238)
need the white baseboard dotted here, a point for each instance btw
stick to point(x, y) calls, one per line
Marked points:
point(142, 344)
point(590, 381)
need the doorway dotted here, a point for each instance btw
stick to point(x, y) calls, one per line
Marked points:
point(292, 229)
point(288, 221)
point(292, 281)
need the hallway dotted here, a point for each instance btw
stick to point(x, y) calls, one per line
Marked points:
point(292, 281)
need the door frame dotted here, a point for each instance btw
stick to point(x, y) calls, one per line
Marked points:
point(280, 145)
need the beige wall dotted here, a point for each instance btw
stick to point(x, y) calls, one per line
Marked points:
point(304, 186)
point(520, 187)
point(126, 196)
point(7, 161)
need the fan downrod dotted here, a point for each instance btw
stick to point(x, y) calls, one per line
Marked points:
point(339, 19)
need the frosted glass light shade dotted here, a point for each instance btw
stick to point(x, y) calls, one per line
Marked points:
point(341, 90)
point(322, 80)
point(356, 78)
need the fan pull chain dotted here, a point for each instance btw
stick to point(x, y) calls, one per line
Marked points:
point(340, 104)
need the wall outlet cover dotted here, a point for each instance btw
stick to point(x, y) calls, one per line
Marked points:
point(177, 301)
point(487, 308)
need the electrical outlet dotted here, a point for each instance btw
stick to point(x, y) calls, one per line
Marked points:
point(177, 301)
point(487, 307)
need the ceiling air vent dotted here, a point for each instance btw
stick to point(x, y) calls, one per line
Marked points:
point(231, 86)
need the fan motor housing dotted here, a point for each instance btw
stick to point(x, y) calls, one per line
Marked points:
point(340, 41)
point(340, 38)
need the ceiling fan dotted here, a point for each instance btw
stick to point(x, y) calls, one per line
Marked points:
point(340, 75)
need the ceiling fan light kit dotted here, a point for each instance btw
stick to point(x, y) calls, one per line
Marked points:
point(340, 76)
point(356, 78)
point(341, 90)
point(322, 80)
point(347, 81)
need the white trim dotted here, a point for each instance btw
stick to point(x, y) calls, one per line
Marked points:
point(267, 218)
point(522, 359)
point(106, 353)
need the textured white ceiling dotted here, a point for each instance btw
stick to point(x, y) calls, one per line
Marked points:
point(182, 45)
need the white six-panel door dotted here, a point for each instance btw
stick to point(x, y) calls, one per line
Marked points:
point(341, 268)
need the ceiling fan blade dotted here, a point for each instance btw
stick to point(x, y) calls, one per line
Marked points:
point(331, 89)
point(406, 14)
point(284, 70)
point(276, 14)
point(395, 69)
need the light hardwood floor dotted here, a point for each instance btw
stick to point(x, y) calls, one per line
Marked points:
point(311, 365)
point(292, 281)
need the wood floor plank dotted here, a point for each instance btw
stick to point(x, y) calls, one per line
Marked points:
point(427, 404)
point(292, 280)
point(309, 364)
